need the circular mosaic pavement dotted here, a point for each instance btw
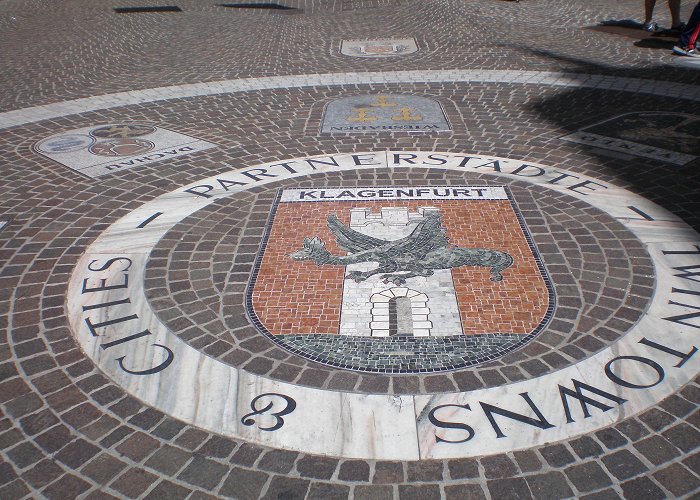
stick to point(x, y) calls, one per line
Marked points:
point(388, 251)
point(268, 285)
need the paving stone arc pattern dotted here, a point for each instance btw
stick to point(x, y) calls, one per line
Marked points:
point(216, 396)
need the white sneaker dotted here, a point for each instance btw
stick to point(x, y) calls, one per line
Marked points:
point(686, 52)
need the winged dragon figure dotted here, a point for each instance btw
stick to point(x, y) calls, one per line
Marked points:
point(420, 253)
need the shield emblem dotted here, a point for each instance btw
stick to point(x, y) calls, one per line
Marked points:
point(409, 265)
point(379, 49)
point(387, 47)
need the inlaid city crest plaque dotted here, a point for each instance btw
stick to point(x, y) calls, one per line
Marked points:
point(395, 273)
point(387, 47)
point(100, 150)
point(295, 304)
point(384, 113)
point(668, 137)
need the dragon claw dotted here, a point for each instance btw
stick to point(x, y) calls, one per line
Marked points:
point(390, 278)
point(356, 276)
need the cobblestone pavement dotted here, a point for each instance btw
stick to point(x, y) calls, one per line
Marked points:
point(102, 113)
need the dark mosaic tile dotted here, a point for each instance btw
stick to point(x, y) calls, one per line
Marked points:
point(168, 460)
point(683, 436)
point(588, 476)
point(464, 492)
point(623, 465)
point(42, 473)
point(657, 450)
point(527, 461)
point(316, 467)
point(279, 461)
point(586, 447)
point(642, 487)
point(611, 438)
point(103, 468)
point(244, 484)
point(388, 473)
point(463, 468)
point(678, 480)
point(557, 455)
point(424, 471)
point(422, 492)
point(286, 487)
point(133, 483)
point(68, 486)
point(513, 488)
point(203, 473)
point(498, 466)
point(549, 485)
point(373, 493)
point(328, 491)
point(246, 455)
point(166, 489)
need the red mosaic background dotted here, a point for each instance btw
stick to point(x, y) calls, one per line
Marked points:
point(299, 297)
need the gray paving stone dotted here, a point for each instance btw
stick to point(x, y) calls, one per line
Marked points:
point(557, 455)
point(527, 461)
point(678, 480)
point(549, 485)
point(498, 467)
point(657, 450)
point(373, 492)
point(514, 488)
point(316, 467)
point(588, 476)
point(623, 465)
point(424, 471)
point(464, 492)
point(286, 487)
point(354, 470)
point(279, 461)
point(586, 447)
point(683, 436)
point(203, 473)
point(611, 438)
point(608, 494)
point(244, 484)
point(419, 492)
point(328, 491)
point(642, 487)
point(463, 469)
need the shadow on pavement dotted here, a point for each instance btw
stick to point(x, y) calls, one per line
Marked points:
point(675, 187)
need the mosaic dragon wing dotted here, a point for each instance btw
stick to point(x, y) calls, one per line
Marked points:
point(428, 235)
point(351, 240)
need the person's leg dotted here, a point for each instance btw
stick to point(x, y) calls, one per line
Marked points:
point(675, 7)
point(690, 36)
point(649, 10)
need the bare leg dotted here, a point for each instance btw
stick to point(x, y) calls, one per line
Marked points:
point(675, 7)
point(649, 9)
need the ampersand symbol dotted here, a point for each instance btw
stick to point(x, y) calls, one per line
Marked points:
point(279, 421)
